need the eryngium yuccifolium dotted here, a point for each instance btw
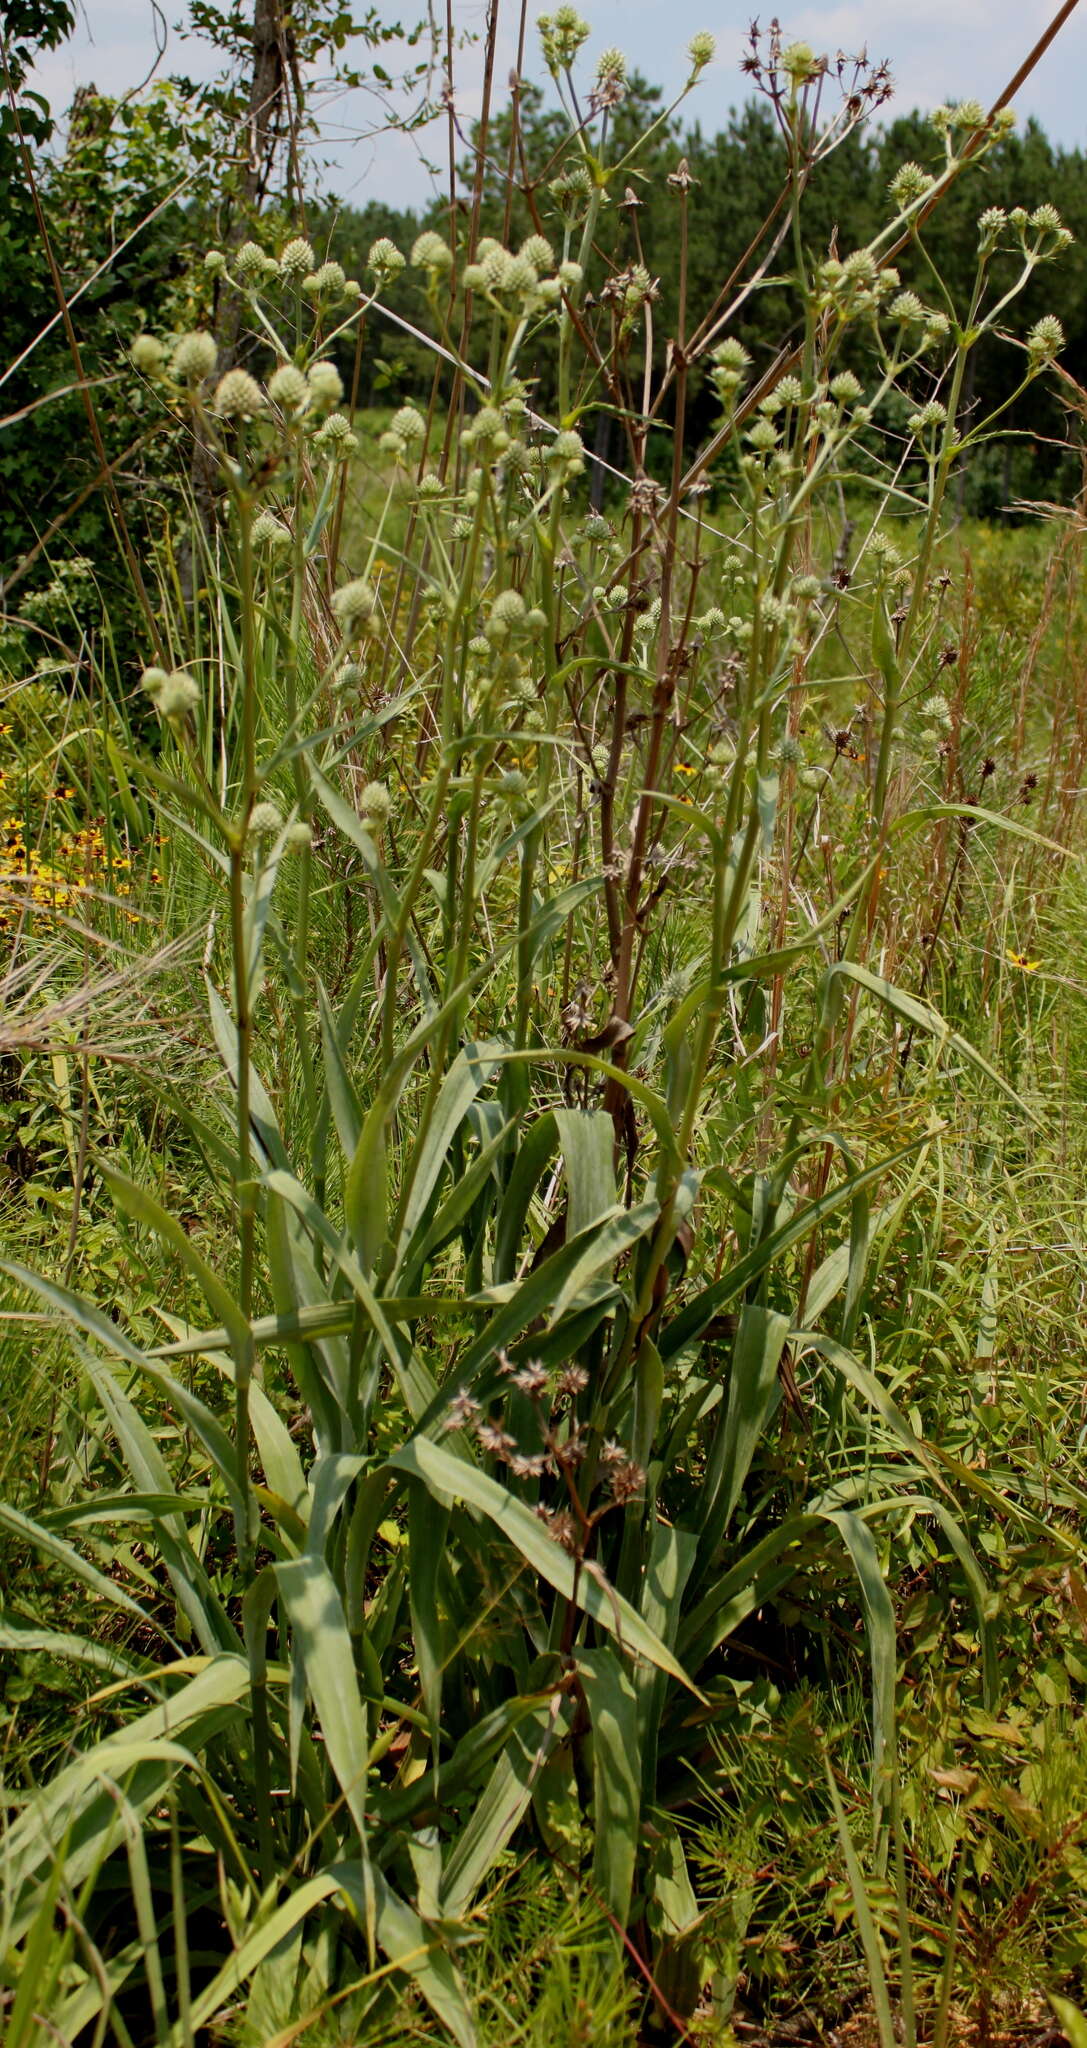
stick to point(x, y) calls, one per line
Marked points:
point(385, 258)
point(731, 354)
point(214, 263)
point(790, 752)
point(287, 387)
point(991, 222)
point(969, 114)
point(264, 819)
point(800, 63)
point(570, 274)
point(354, 605)
point(931, 415)
point(270, 532)
point(909, 184)
point(611, 65)
point(328, 277)
point(238, 395)
point(297, 258)
point(763, 436)
point(566, 447)
point(508, 607)
point(789, 390)
point(336, 428)
point(936, 709)
point(907, 309)
point(701, 49)
point(538, 251)
point(249, 261)
point(146, 354)
point(194, 357)
point(408, 424)
point(375, 803)
point(173, 695)
point(429, 252)
point(1046, 338)
point(1047, 220)
point(806, 589)
point(845, 388)
point(299, 835)
point(325, 384)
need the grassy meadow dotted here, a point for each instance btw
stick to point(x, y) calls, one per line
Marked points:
point(542, 1080)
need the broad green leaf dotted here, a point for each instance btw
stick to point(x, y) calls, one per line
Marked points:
point(587, 1139)
point(453, 1477)
point(613, 1713)
point(497, 1812)
point(925, 1018)
point(323, 1646)
point(752, 1395)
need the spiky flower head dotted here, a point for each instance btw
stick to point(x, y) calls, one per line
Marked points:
point(325, 384)
point(611, 70)
point(561, 37)
point(763, 436)
point(328, 277)
point(174, 694)
point(845, 388)
point(354, 606)
point(299, 835)
point(408, 423)
point(909, 184)
point(1046, 339)
point(800, 63)
point(238, 396)
point(991, 224)
point(270, 532)
point(936, 709)
point(146, 354)
point(570, 274)
point(265, 819)
point(249, 262)
point(429, 252)
point(731, 354)
point(297, 259)
point(194, 358)
point(1047, 221)
point(538, 251)
point(790, 390)
point(567, 447)
point(287, 387)
point(701, 49)
point(969, 114)
point(931, 415)
point(214, 263)
point(508, 608)
point(385, 258)
point(375, 804)
point(907, 310)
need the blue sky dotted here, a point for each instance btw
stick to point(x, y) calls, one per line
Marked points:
point(937, 49)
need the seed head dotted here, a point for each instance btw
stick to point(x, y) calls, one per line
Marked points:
point(238, 396)
point(194, 358)
point(508, 608)
point(570, 275)
point(409, 424)
point(907, 309)
point(845, 388)
point(800, 63)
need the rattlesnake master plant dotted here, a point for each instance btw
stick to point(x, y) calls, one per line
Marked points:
point(545, 1189)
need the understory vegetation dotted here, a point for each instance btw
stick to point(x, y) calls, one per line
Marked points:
point(541, 1094)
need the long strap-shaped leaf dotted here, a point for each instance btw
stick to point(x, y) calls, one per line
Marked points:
point(454, 1478)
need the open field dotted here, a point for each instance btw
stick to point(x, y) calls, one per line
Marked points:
point(542, 1096)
